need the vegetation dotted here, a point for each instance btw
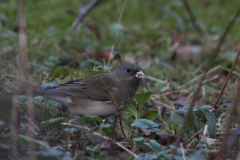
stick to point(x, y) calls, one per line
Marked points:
point(157, 35)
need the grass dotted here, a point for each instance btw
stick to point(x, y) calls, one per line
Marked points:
point(146, 36)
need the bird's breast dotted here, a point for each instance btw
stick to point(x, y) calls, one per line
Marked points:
point(88, 107)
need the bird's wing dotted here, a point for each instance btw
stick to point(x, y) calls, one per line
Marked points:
point(95, 87)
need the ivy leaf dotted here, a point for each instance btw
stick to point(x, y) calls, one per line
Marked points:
point(153, 145)
point(130, 110)
point(147, 114)
point(139, 139)
point(180, 117)
point(211, 121)
point(142, 98)
point(145, 123)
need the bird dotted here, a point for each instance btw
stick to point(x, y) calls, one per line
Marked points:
point(97, 95)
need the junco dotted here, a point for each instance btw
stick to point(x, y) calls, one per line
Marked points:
point(95, 95)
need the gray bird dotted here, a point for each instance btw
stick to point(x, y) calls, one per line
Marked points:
point(95, 95)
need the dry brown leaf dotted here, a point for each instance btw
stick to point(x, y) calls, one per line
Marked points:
point(186, 52)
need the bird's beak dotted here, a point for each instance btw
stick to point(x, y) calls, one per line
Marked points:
point(139, 74)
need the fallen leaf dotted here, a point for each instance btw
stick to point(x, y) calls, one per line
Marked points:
point(187, 52)
point(104, 144)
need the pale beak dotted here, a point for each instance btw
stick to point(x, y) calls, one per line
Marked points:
point(139, 74)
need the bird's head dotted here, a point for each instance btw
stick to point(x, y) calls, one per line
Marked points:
point(129, 72)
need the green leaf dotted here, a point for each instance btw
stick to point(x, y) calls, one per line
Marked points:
point(177, 117)
point(126, 128)
point(183, 110)
point(54, 121)
point(130, 110)
point(198, 123)
point(145, 123)
point(142, 98)
point(176, 126)
point(159, 85)
point(106, 128)
point(64, 70)
point(51, 154)
point(211, 121)
point(139, 139)
point(190, 124)
point(147, 114)
point(89, 119)
point(203, 107)
point(67, 130)
point(87, 73)
point(180, 117)
point(153, 145)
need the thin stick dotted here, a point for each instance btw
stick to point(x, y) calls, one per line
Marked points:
point(8, 81)
point(120, 17)
point(111, 53)
point(104, 137)
point(195, 135)
point(183, 152)
point(196, 78)
point(186, 5)
point(155, 79)
point(212, 58)
point(84, 12)
point(14, 119)
point(22, 44)
point(115, 102)
point(231, 114)
point(21, 79)
point(229, 74)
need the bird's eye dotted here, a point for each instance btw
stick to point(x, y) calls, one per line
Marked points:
point(128, 70)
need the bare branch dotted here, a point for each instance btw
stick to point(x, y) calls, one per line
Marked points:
point(84, 12)
point(186, 5)
point(229, 74)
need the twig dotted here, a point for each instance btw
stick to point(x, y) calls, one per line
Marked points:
point(229, 74)
point(21, 79)
point(8, 81)
point(212, 58)
point(14, 119)
point(115, 102)
point(160, 103)
point(155, 79)
point(194, 136)
point(210, 71)
point(104, 137)
point(186, 5)
point(120, 17)
point(111, 53)
point(84, 12)
point(116, 47)
point(175, 15)
point(22, 44)
point(183, 151)
point(231, 114)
